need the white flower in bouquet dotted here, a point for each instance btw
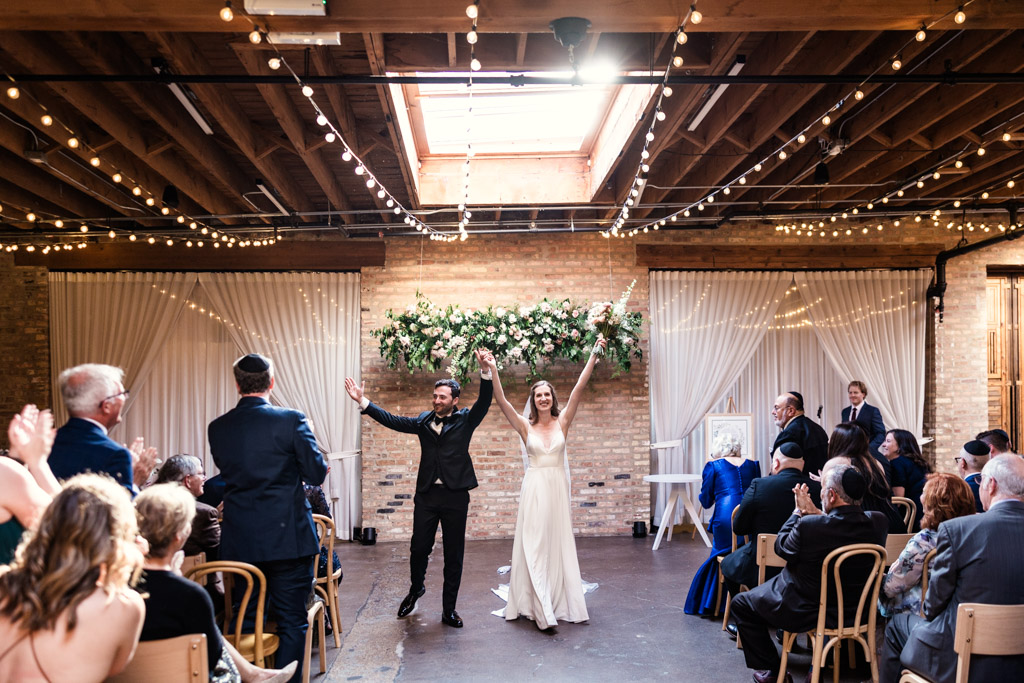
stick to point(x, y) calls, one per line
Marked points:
point(458, 341)
point(511, 318)
point(516, 352)
point(548, 348)
point(405, 341)
point(538, 329)
point(500, 312)
point(424, 319)
point(501, 339)
point(545, 307)
point(607, 317)
point(525, 344)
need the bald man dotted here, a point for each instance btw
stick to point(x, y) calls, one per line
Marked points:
point(788, 413)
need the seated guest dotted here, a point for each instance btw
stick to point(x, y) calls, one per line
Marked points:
point(790, 600)
point(94, 397)
point(176, 606)
point(187, 470)
point(767, 504)
point(849, 440)
point(908, 467)
point(868, 417)
point(945, 496)
point(26, 483)
point(726, 476)
point(788, 414)
point(998, 441)
point(66, 610)
point(978, 559)
point(973, 457)
point(318, 503)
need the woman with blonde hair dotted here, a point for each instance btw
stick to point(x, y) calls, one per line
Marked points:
point(67, 590)
point(726, 476)
point(176, 606)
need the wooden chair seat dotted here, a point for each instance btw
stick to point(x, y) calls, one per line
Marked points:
point(315, 617)
point(171, 660)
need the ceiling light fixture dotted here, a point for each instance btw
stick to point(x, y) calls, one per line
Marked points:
point(736, 67)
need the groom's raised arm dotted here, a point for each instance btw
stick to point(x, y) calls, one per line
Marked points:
point(408, 425)
point(483, 400)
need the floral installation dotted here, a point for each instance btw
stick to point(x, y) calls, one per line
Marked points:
point(612, 319)
point(426, 336)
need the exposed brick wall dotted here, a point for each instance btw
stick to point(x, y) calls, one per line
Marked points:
point(24, 340)
point(607, 441)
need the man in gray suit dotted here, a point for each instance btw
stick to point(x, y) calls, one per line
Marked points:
point(978, 559)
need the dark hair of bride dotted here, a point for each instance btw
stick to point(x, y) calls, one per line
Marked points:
point(533, 405)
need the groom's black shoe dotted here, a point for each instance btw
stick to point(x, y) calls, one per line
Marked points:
point(451, 618)
point(409, 604)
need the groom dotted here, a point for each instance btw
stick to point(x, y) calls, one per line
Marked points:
point(442, 484)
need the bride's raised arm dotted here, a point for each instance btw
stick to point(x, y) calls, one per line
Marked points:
point(569, 412)
point(517, 421)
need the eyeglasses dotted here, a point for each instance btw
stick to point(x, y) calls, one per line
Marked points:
point(124, 393)
point(957, 459)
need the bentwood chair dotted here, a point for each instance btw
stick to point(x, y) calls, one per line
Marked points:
point(981, 630)
point(862, 628)
point(925, 568)
point(171, 660)
point(721, 577)
point(314, 617)
point(258, 645)
point(894, 545)
point(909, 510)
point(766, 557)
point(327, 586)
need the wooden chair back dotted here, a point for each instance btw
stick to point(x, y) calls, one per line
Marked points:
point(925, 568)
point(986, 630)
point(732, 527)
point(766, 556)
point(327, 586)
point(254, 646)
point(909, 510)
point(171, 660)
point(190, 562)
point(894, 545)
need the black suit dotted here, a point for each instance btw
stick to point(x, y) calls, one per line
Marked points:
point(790, 600)
point(767, 504)
point(810, 437)
point(974, 481)
point(978, 559)
point(870, 420)
point(443, 457)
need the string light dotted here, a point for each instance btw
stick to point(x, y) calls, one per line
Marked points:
point(46, 120)
point(960, 16)
point(274, 63)
point(13, 93)
point(897, 63)
point(255, 37)
point(921, 34)
point(225, 13)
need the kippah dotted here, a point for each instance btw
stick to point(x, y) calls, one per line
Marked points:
point(799, 399)
point(791, 450)
point(253, 362)
point(977, 447)
point(854, 484)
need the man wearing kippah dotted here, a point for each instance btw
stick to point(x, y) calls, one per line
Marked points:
point(790, 600)
point(788, 414)
point(264, 453)
point(973, 457)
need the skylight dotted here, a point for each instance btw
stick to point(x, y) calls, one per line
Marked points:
point(537, 119)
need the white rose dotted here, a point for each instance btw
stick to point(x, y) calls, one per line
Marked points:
point(538, 329)
point(499, 311)
point(501, 339)
point(424, 319)
point(511, 318)
point(548, 348)
point(516, 351)
point(525, 343)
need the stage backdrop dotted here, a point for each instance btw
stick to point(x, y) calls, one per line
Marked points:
point(754, 335)
point(177, 334)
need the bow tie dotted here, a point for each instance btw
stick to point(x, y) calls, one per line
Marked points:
point(442, 420)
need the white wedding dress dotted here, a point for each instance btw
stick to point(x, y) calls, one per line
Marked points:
point(545, 583)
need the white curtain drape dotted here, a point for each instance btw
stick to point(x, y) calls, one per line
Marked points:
point(309, 324)
point(121, 319)
point(705, 326)
point(872, 325)
point(177, 340)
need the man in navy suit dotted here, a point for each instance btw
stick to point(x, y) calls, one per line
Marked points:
point(974, 455)
point(443, 482)
point(94, 396)
point(868, 417)
point(977, 559)
point(264, 453)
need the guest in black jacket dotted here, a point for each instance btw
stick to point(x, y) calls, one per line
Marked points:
point(788, 413)
point(849, 441)
point(790, 600)
point(443, 482)
point(766, 505)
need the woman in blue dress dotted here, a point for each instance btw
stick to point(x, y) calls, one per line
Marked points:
point(726, 476)
point(909, 468)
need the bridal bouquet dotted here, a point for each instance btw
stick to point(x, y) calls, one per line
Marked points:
point(613, 321)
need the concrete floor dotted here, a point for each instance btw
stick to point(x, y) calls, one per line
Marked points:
point(637, 629)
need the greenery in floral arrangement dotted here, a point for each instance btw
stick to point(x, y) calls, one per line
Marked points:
point(426, 336)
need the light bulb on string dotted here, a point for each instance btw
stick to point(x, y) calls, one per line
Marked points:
point(255, 37)
point(164, 210)
point(695, 16)
point(13, 93)
point(46, 120)
point(757, 167)
point(116, 177)
point(330, 137)
point(30, 217)
point(1006, 136)
point(346, 155)
point(660, 116)
point(111, 234)
point(73, 142)
point(307, 91)
point(897, 63)
point(981, 151)
point(475, 64)
point(667, 91)
point(137, 191)
point(984, 195)
point(151, 240)
point(321, 120)
point(960, 16)
point(936, 175)
point(677, 61)
point(472, 11)
point(859, 95)
point(801, 138)
point(132, 237)
point(58, 223)
point(95, 161)
point(826, 120)
point(225, 13)
point(921, 34)
point(472, 37)
point(181, 219)
point(150, 201)
point(274, 63)
point(743, 180)
point(783, 155)
point(958, 163)
point(1010, 183)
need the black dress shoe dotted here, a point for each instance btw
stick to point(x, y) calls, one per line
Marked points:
point(732, 631)
point(451, 618)
point(770, 677)
point(409, 604)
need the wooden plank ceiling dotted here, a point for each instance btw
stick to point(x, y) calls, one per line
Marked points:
point(892, 136)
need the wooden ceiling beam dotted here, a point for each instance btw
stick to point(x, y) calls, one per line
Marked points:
point(113, 55)
point(374, 43)
point(293, 125)
point(507, 16)
point(33, 179)
point(14, 196)
point(99, 105)
point(182, 51)
point(788, 256)
point(521, 48)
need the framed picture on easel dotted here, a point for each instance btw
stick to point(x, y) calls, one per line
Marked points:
point(740, 425)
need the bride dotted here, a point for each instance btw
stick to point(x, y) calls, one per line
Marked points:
point(545, 583)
